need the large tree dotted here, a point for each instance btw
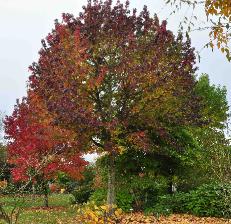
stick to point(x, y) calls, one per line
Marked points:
point(116, 78)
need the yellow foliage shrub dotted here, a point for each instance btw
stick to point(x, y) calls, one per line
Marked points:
point(90, 213)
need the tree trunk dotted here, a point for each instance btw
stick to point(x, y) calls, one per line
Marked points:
point(45, 190)
point(170, 188)
point(46, 200)
point(33, 192)
point(111, 180)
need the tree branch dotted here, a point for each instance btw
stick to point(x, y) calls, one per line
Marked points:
point(97, 143)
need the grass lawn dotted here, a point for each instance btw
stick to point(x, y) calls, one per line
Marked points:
point(62, 212)
point(33, 212)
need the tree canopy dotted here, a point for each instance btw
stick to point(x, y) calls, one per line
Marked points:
point(115, 78)
point(36, 148)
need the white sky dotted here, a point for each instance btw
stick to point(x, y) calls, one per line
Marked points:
point(23, 23)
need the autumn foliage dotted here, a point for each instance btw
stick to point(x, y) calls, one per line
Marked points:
point(179, 219)
point(218, 13)
point(38, 148)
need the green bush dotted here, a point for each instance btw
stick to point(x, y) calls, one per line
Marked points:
point(124, 199)
point(167, 204)
point(99, 196)
point(82, 189)
point(210, 200)
point(82, 194)
point(207, 200)
point(159, 210)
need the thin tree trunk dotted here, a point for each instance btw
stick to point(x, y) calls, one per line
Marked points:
point(33, 192)
point(111, 180)
point(46, 200)
point(45, 190)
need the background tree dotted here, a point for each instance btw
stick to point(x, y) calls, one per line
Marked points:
point(36, 148)
point(213, 138)
point(116, 78)
point(4, 166)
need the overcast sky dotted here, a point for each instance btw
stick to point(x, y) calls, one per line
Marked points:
point(23, 23)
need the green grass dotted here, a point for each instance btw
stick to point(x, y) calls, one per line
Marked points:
point(33, 212)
